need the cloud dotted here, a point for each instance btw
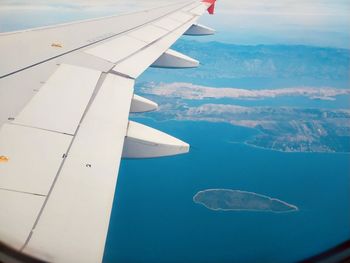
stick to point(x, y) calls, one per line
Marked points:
point(272, 7)
point(315, 22)
point(197, 92)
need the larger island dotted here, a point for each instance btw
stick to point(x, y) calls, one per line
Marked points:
point(237, 200)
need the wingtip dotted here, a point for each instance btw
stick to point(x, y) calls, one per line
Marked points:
point(211, 8)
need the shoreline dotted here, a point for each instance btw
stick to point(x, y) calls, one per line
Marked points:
point(293, 208)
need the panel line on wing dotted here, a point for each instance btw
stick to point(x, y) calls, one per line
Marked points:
point(99, 143)
point(64, 96)
point(97, 88)
point(111, 71)
point(39, 128)
point(33, 157)
point(22, 192)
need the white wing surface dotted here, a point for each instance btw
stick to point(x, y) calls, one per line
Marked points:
point(65, 96)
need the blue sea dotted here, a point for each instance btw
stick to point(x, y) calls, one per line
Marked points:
point(155, 220)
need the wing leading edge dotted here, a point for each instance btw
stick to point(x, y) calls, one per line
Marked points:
point(62, 140)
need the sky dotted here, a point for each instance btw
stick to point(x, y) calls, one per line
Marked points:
point(307, 22)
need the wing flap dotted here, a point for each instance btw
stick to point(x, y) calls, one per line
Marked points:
point(33, 157)
point(78, 208)
point(18, 214)
point(61, 102)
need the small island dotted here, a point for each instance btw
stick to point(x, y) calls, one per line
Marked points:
point(236, 200)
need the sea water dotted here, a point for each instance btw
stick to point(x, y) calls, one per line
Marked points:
point(154, 218)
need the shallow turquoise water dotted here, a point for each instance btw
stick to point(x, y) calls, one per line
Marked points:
point(155, 220)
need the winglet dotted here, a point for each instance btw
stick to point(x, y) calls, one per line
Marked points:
point(211, 5)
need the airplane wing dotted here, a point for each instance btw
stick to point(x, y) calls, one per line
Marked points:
point(66, 92)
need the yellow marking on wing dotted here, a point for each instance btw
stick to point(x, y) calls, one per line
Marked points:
point(56, 45)
point(4, 159)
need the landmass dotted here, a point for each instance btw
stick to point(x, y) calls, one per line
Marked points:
point(191, 91)
point(285, 129)
point(237, 200)
point(225, 62)
point(294, 97)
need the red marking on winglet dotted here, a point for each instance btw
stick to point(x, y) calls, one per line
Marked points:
point(209, 1)
point(211, 7)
